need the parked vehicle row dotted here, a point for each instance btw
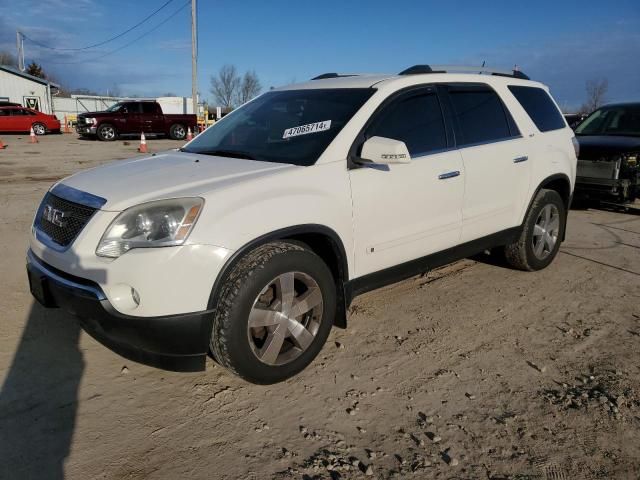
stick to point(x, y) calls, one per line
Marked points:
point(252, 240)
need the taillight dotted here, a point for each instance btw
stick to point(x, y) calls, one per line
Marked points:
point(576, 146)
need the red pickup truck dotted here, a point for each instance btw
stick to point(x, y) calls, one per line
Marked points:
point(132, 118)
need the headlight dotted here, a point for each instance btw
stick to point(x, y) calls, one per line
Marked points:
point(161, 223)
point(92, 121)
point(632, 159)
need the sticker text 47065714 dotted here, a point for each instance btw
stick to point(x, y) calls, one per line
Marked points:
point(306, 129)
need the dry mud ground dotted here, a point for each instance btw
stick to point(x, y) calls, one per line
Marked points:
point(474, 371)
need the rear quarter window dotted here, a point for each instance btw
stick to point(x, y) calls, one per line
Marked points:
point(539, 106)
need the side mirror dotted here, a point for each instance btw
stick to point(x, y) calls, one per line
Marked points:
point(385, 151)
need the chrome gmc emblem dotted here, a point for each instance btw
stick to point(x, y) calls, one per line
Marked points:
point(53, 215)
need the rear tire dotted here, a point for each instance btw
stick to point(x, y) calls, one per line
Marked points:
point(273, 313)
point(178, 132)
point(107, 133)
point(542, 234)
point(39, 129)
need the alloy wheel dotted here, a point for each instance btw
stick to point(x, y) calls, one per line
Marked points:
point(545, 231)
point(285, 318)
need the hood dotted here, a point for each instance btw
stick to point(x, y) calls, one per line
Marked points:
point(166, 175)
point(595, 147)
point(94, 114)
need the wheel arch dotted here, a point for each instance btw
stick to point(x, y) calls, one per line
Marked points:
point(560, 183)
point(322, 240)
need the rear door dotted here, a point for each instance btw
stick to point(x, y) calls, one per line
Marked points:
point(152, 118)
point(21, 119)
point(407, 211)
point(495, 156)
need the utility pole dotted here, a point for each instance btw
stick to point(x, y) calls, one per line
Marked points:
point(20, 45)
point(194, 57)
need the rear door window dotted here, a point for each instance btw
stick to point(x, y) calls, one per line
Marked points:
point(539, 106)
point(415, 119)
point(479, 115)
point(149, 108)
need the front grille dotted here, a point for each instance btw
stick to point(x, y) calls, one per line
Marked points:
point(61, 219)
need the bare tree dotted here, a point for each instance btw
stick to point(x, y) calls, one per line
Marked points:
point(224, 86)
point(596, 93)
point(7, 58)
point(249, 88)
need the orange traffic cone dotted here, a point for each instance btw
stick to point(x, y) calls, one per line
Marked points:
point(189, 134)
point(2, 145)
point(32, 136)
point(66, 125)
point(143, 144)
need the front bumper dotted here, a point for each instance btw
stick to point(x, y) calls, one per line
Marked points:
point(172, 342)
point(85, 130)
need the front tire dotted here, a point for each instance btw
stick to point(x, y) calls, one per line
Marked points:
point(274, 313)
point(107, 133)
point(542, 234)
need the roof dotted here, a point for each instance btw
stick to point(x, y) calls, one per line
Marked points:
point(17, 72)
point(369, 80)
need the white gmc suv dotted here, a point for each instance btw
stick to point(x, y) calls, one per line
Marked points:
point(251, 241)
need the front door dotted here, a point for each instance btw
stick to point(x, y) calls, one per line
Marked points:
point(406, 211)
point(132, 113)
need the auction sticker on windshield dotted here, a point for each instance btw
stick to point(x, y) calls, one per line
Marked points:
point(306, 129)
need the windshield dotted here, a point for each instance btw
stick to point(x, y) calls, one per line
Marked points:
point(293, 126)
point(621, 120)
point(115, 107)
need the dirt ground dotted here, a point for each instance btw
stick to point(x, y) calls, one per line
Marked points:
point(473, 371)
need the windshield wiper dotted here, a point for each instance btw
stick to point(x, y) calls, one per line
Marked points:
point(225, 153)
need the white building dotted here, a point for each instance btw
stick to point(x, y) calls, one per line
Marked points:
point(27, 90)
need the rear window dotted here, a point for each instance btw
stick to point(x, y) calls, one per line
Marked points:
point(480, 115)
point(539, 106)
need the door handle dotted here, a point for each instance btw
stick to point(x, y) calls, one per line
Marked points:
point(444, 176)
point(521, 159)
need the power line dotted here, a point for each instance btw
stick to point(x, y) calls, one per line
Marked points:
point(101, 43)
point(126, 44)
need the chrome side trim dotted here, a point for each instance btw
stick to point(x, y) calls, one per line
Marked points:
point(36, 264)
point(78, 196)
point(524, 158)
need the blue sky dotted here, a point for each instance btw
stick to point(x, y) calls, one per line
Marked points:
point(561, 43)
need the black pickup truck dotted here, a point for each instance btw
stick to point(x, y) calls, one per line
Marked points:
point(133, 118)
point(609, 160)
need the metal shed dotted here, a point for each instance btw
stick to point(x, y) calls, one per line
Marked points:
point(27, 90)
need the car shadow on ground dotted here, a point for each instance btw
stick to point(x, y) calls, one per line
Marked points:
point(39, 397)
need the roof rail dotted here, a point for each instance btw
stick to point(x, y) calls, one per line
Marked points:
point(333, 75)
point(416, 69)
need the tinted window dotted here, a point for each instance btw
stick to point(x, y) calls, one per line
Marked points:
point(149, 107)
point(133, 107)
point(479, 114)
point(291, 126)
point(19, 112)
point(539, 107)
point(415, 120)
